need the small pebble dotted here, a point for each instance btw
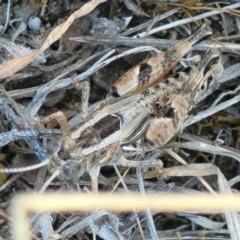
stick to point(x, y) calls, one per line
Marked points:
point(34, 23)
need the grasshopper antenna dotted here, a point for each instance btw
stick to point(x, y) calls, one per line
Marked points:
point(25, 169)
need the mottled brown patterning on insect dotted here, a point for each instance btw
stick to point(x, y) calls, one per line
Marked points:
point(176, 109)
point(135, 80)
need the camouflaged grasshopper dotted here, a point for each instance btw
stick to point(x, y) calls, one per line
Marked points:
point(157, 111)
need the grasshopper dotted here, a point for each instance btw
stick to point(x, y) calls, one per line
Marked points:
point(158, 111)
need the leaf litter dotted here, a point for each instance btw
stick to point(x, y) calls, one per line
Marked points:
point(203, 158)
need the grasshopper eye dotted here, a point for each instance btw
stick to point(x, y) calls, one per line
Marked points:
point(72, 169)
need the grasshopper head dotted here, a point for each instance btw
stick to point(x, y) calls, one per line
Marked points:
point(72, 169)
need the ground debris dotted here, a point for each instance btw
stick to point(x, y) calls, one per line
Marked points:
point(42, 70)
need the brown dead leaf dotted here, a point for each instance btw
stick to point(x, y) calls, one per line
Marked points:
point(10, 67)
point(23, 160)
